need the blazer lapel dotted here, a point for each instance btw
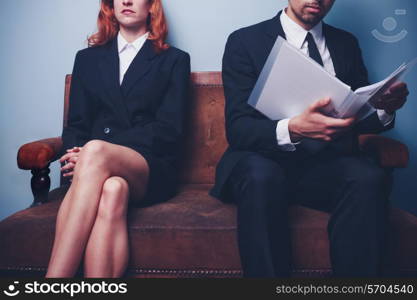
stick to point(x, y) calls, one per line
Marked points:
point(140, 65)
point(109, 69)
point(274, 28)
point(336, 51)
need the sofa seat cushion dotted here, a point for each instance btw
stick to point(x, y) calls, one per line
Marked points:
point(192, 232)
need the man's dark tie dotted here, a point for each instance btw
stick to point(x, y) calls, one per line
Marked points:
point(313, 50)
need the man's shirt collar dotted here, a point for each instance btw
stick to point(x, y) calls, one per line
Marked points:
point(298, 34)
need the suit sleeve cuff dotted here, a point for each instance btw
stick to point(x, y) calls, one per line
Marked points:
point(384, 117)
point(283, 136)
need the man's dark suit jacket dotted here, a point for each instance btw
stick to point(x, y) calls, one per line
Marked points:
point(247, 130)
point(145, 113)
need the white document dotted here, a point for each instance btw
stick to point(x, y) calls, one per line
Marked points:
point(290, 81)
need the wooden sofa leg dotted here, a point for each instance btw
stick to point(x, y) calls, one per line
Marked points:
point(40, 184)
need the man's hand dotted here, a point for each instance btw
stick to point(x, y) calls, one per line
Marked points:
point(312, 123)
point(394, 99)
point(70, 159)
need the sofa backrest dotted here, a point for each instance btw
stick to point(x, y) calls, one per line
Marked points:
point(205, 137)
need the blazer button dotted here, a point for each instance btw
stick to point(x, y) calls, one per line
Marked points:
point(107, 130)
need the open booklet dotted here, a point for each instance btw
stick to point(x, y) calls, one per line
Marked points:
point(290, 81)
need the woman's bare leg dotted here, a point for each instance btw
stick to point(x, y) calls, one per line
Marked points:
point(97, 162)
point(107, 252)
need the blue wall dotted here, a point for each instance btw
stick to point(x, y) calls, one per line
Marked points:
point(362, 17)
point(40, 39)
point(39, 42)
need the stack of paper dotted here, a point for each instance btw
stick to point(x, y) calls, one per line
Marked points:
point(290, 81)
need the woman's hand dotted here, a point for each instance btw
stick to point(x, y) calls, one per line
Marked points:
point(70, 159)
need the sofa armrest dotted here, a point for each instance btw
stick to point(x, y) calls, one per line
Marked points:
point(389, 152)
point(39, 154)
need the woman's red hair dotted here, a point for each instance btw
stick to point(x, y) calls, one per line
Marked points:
point(108, 27)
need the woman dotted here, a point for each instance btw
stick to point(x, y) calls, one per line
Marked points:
point(127, 104)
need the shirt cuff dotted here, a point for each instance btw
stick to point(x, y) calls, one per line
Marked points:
point(384, 117)
point(283, 136)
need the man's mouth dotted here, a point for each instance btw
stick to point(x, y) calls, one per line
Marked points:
point(313, 8)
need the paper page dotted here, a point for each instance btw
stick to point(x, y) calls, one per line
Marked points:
point(364, 112)
point(290, 81)
point(356, 103)
point(362, 100)
point(375, 91)
point(371, 89)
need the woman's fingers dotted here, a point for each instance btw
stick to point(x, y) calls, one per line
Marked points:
point(73, 159)
point(69, 174)
point(74, 149)
point(68, 156)
point(70, 159)
point(64, 157)
point(69, 166)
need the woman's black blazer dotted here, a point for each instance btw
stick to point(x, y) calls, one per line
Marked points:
point(145, 113)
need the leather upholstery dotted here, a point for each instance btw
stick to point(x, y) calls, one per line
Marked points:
point(390, 153)
point(38, 155)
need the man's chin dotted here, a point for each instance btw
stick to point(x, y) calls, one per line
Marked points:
point(311, 19)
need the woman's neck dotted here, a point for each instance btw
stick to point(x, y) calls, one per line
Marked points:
point(132, 34)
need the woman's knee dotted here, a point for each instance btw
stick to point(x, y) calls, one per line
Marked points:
point(92, 153)
point(114, 198)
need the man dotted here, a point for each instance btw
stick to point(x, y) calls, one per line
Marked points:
point(271, 164)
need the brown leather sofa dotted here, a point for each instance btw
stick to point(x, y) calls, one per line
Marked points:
point(193, 235)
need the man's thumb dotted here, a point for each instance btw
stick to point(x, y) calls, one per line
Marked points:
point(320, 104)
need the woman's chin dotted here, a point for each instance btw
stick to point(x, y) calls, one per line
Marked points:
point(132, 25)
